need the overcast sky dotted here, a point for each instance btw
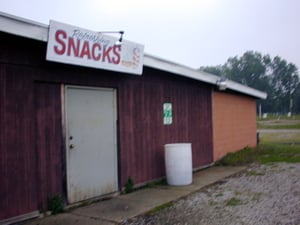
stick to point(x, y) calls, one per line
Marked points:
point(190, 32)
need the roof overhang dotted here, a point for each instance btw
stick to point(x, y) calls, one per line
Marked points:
point(161, 64)
point(38, 31)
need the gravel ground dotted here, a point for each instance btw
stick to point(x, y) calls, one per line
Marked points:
point(261, 195)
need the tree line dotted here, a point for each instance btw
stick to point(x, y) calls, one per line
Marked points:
point(275, 76)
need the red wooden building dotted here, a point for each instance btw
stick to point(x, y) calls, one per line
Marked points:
point(50, 114)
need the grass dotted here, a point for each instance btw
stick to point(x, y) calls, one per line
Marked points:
point(159, 208)
point(242, 157)
point(273, 147)
point(271, 153)
point(280, 138)
point(234, 202)
point(278, 126)
point(254, 173)
point(264, 153)
point(279, 122)
point(279, 117)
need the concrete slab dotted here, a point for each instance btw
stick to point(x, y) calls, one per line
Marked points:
point(213, 174)
point(123, 207)
point(203, 178)
point(115, 210)
point(153, 197)
point(127, 206)
point(69, 219)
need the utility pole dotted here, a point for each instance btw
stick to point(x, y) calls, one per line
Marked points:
point(259, 109)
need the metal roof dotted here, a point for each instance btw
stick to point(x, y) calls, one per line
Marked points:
point(38, 31)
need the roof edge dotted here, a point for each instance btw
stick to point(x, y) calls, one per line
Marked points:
point(165, 65)
point(23, 27)
point(30, 29)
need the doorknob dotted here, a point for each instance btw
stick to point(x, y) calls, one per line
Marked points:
point(72, 146)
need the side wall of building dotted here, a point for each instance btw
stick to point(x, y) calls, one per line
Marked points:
point(234, 123)
point(32, 143)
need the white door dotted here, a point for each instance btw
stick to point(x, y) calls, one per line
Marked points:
point(91, 142)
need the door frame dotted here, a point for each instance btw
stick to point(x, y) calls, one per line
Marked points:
point(64, 89)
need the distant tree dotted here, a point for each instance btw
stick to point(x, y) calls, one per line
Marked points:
point(275, 76)
point(297, 101)
point(216, 70)
point(250, 69)
point(285, 83)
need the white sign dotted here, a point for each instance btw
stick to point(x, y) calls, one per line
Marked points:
point(78, 46)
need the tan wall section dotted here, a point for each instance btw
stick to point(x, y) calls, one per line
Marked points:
point(234, 123)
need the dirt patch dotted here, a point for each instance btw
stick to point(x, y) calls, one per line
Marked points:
point(263, 194)
point(278, 122)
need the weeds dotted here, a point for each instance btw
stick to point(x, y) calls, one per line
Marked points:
point(129, 186)
point(234, 202)
point(274, 147)
point(160, 207)
point(56, 204)
point(153, 184)
point(242, 157)
point(265, 153)
point(271, 153)
point(254, 173)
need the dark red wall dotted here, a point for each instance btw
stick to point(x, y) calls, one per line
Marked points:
point(32, 153)
point(142, 133)
point(48, 141)
point(17, 138)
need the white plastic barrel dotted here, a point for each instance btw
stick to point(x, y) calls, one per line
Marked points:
point(178, 160)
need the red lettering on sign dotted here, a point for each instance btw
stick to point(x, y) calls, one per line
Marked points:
point(117, 57)
point(59, 35)
point(85, 50)
point(94, 51)
point(106, 54)
point(74, 47)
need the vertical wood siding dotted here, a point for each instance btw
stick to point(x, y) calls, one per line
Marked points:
point(48, 142)
point(32, 153)
point(142, 132)
point(17, 152)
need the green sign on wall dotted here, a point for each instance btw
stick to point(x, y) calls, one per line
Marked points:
point(167, 110)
